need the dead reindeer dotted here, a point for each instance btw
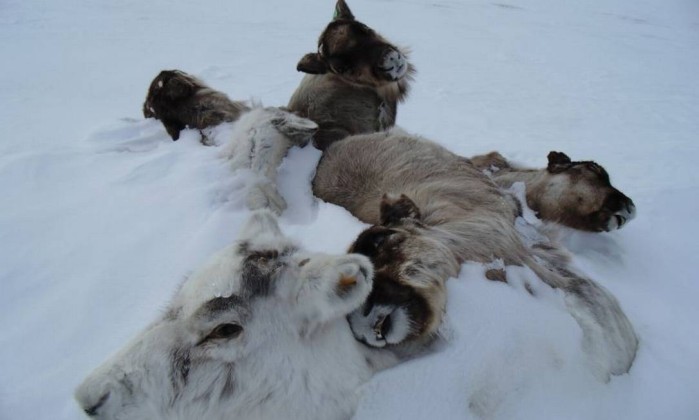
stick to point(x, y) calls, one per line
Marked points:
point(577, 194)
point(355, 80)
point(258, 332)
point(448, 212)
point(259, 139)
point(181, 101)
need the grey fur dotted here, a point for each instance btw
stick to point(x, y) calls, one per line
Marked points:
point(360, 98)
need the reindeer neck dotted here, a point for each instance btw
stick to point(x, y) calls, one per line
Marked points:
point(532, 178)
point(393, 93)
point(535, 181)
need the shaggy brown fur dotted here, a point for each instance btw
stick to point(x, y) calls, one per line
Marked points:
point(575, 194)
point(413, 282)
point(457, 214)
point(181, 101)
point(354, 82)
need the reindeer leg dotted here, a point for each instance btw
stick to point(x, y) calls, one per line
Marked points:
point(609, 339)
point(264, 195)
point(608, 336)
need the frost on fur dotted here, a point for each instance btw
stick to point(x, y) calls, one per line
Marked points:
point(442, 211)
point(226, 344)
point(259, 142)
point(260, 137)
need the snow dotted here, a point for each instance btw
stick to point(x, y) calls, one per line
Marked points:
point(103, 215)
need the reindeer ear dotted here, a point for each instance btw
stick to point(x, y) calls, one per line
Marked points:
point(342, 11)
point(299, 130)
point(558, 161)
point(311, 63)
point(393, 210)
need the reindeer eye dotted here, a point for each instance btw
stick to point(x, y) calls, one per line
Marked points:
point(225, 331)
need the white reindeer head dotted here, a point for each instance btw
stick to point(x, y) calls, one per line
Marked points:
point(258, 332)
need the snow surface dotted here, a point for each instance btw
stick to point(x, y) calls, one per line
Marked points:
point(103, 215)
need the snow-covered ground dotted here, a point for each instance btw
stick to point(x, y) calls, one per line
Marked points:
point(103, 215)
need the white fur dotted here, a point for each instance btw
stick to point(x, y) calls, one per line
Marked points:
point(295, 358)
point(259, 142)
point(361, 325)
point(395, 64)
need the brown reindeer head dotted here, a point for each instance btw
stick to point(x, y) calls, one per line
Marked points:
point(168, 86)
point(580, 195)
point(411, 264)
point(356, 53)
point(168, 98)
point(180, 100)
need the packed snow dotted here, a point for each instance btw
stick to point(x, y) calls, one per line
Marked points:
point(104, 215)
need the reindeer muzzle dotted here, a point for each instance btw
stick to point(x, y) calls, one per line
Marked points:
point(394, 65)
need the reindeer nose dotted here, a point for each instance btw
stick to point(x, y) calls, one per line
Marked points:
point(625, 213)
point(92, 409)
point(394, 65)
point(631, 208)
point(383, 326)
